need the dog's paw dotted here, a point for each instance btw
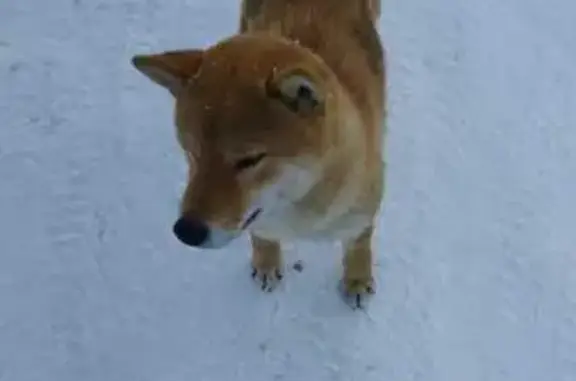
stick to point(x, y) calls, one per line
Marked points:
point(267, 278)
point(356, 291)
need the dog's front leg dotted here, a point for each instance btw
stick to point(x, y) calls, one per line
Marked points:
point(266, 262)
point(357, 280)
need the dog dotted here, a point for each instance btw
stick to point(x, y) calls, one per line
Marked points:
point(283, 125)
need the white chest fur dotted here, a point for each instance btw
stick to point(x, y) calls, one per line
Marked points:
point(281, 219)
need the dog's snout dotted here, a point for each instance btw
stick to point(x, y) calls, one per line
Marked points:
point(191, 231)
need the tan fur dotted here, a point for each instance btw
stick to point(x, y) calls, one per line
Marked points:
point(231, 102)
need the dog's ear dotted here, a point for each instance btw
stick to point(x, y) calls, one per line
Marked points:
point(170, 69)
point(297, 89)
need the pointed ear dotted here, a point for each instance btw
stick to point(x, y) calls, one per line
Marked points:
point(297, 89)
point(170, 69)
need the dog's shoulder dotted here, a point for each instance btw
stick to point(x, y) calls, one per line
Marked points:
point(342, 33)
point(317, 24)
point(249, 11)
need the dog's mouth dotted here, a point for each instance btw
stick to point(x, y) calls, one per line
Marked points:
point(251, 218)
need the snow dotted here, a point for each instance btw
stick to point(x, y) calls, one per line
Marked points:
point(476, 252)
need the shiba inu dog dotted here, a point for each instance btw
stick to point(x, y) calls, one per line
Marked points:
point(282, 125)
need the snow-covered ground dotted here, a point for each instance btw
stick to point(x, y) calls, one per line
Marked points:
point(477, 251)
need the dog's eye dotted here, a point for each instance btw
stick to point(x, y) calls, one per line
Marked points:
point(249, 161)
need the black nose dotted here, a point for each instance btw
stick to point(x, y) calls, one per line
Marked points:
point(191, 231)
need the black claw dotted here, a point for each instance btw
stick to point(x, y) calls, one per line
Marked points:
point(265, 279)
point(356, 300)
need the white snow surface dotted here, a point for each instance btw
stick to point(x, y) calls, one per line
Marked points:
point(476, 265)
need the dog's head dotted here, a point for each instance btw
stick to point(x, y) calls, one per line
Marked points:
point(253, 117)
